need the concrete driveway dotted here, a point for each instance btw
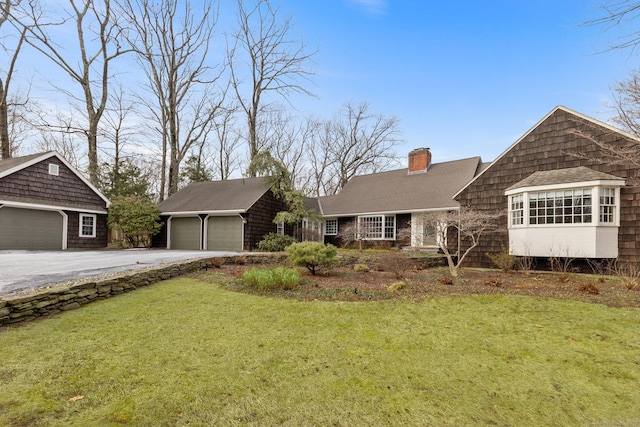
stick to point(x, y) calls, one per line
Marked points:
point(21, 270)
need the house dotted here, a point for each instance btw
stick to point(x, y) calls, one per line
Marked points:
point(46, 204)
point(230, 215)
point(563, 191)
point(383, 204)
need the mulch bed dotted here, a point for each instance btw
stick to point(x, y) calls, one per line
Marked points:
point(345, 284)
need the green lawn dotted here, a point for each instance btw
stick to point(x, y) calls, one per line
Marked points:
point(183, 352)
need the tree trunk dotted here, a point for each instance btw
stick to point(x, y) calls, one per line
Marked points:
point(4, 124)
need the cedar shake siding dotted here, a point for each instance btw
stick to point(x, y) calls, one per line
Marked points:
point(260, 219)
point(557, 142)
point(34, 185)
point(74, 241)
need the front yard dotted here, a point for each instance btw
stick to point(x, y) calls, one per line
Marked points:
point(191, 352)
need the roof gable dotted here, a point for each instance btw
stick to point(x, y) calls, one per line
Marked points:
point(399, 191)
point(15, 165)
point(233, 195)
point(553, 112)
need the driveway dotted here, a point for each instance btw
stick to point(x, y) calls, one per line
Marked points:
point(21, 270)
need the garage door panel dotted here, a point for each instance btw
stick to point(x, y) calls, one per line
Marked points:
point(185, 233)
point(224, 233)
point(30, 229)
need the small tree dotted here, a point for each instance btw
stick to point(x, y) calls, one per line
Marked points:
point(137, 218)
point(313, 255)
point(470, 226)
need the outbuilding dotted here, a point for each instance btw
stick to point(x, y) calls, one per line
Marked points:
point(46, 204)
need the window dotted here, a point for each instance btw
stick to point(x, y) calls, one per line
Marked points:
point(331, 227)
point(87, 225)
point(607, 205)
point(517, 209)
point(379, 227)
point(561, 207)
point(54, 169)
point(280, 228)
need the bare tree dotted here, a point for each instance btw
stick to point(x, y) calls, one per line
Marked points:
point(617, 13)
point(10, 53)
point(228, 141)
point(466, 226)
point(354, 142)
point(98, 46)
point(277, 64)
point(173, 47)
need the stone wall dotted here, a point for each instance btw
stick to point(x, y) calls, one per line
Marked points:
point(24, 307)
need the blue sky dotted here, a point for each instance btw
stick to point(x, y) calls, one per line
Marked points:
point(465, 78)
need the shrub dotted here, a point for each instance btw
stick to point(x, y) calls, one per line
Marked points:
point(396, 263)
point(312, 255)
point(276, 278)
point(396, 286)
point(503, 260)
point(361, 268)
point(274, 242)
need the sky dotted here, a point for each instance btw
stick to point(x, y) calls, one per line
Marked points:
point(465, 78)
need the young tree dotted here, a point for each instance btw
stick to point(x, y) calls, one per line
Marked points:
point(172, 44)
point(276, 62)
point(136, 217)
point(10, 55)
point(195, 170)
point(467, 227)
point(98, 46)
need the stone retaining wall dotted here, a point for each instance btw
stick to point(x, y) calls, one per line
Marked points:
point(24, 307)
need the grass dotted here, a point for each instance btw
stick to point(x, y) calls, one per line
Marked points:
point(184, 352)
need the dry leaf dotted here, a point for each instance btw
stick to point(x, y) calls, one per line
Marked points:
point(74, 398)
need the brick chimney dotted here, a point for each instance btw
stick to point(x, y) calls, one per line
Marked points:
point(419, 160)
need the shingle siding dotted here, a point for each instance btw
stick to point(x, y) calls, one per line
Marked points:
point(553, 144)
point(74, 241)
point(34, 185)
point(260, 220)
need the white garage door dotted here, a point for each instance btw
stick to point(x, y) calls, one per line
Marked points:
point(30, 229)
point(224, 233)
point(185, 233)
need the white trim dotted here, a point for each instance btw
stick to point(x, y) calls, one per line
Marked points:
point(48, 155)
point(325, 227)
point(93, 228)
point(54, 169)
point(200, 245)
point(208, 213)
point(534, 127)
point(568, 185)
point(347, 215)
point(13, 204)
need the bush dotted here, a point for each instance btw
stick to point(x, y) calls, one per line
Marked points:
point(396, 263)
point(274, 242)
point(361, 268)
point(276, 278)
point(312, 255)
point(137, 218)
point(503, 260)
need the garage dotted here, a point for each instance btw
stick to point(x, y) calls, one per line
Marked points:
point(31, 229)
point(224, 233)
point(185, 233)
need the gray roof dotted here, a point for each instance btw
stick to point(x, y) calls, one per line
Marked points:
point(15, 162)
point(563, 176)
point(206, 197)
point(399, 191)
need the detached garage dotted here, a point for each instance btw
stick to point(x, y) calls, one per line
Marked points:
point(231, 215)
point(46, 204)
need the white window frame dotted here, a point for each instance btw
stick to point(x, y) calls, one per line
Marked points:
point(54, 169)
point(589, 206)
point(81, 218)
point(280, 228)
point(331, 227)
point(385, 223)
